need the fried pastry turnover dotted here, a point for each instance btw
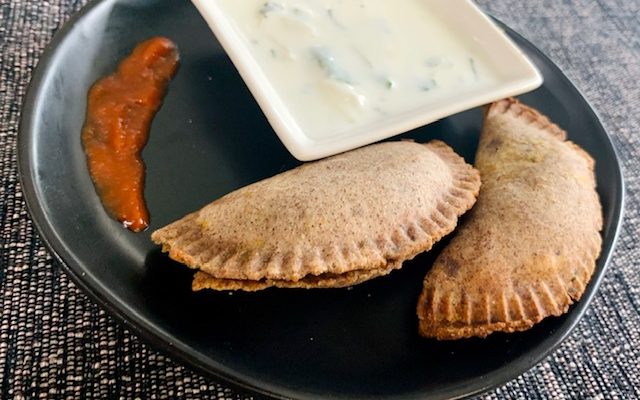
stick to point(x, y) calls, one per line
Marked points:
point(331, 223)
point(528, 248)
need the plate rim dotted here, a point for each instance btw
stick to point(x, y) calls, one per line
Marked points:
point(185, 355)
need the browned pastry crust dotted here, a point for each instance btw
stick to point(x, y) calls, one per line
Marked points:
point(528, 247)
point(202, 280)
point(360, 213)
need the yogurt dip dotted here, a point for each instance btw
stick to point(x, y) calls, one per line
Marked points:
point(341, 65)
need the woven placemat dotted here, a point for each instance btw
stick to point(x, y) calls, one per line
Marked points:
point(55, 343)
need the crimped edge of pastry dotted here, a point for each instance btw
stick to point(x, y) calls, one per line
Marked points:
point(202, 280)
point(515, 311)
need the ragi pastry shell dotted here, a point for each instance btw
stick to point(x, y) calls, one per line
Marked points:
point(528, 247)
point(331, 223)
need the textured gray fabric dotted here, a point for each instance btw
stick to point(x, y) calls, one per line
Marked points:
point(55, 343)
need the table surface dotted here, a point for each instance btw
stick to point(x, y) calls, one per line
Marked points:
point(56, 343)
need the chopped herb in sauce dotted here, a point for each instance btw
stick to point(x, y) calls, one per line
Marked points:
point(390, 84)
point(428, 85)
point(269, 7)
point(472, 63)
point(328, 63)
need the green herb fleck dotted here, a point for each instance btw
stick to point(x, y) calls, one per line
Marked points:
point(325, 59)
point(472, 63)
point(428, 85)
point(270, 6)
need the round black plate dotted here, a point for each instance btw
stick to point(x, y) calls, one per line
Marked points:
point(210, 138)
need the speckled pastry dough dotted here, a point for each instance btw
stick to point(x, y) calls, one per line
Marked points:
point(331, 223)
point(528, 247)
point(202, 280)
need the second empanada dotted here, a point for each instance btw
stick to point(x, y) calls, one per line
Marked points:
point(528, 247)
point(330, 223)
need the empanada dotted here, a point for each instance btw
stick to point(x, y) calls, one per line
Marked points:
point(330, 223)
point(528, 247)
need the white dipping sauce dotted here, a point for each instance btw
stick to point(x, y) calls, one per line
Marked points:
point(344, 64)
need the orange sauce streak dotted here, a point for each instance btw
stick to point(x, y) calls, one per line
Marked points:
point(120, 108)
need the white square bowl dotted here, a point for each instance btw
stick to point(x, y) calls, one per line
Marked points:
point(515, 75)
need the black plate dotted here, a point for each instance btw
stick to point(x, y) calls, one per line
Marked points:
point(210, 138)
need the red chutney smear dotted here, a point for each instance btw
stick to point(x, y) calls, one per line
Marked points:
point(120, 109)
